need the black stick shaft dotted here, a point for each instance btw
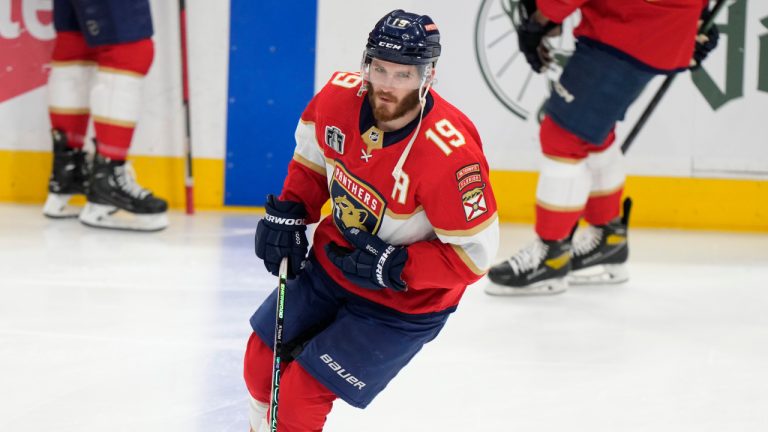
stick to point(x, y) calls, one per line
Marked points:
point(273, 400)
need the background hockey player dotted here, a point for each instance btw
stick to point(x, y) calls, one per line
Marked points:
point(621, 46)
point(413, 223)
point(114, 38)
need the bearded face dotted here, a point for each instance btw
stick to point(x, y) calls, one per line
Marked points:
point(391, 104)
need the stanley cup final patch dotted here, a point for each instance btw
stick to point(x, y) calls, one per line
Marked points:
point(471, 185)
point(334, 138)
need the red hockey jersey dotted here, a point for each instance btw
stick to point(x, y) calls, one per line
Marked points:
point(658, 33)
point(442, 208)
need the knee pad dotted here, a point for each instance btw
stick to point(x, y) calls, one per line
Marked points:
point(132, 57)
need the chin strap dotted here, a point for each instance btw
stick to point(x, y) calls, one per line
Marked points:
point(398, 171)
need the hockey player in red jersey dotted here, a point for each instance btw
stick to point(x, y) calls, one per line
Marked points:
point(621, 46)
point(413, 222)
point(103, 51)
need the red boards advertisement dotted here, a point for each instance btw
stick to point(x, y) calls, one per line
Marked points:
point(26, 42)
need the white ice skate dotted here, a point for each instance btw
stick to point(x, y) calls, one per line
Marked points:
point(109, 216)
point(116, 201)
point(57, 206)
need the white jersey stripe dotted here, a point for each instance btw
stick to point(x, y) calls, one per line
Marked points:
point(306, 144)
point(477, 246)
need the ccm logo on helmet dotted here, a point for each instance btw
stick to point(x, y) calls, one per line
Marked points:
point(390, 45)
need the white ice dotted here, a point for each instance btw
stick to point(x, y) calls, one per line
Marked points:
point(113, 331)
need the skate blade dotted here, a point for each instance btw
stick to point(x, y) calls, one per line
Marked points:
point(57, 207)
point(111, 217)
point(604, 274)
point(545, 287)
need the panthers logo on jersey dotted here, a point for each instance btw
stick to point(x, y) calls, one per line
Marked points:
point(355, 203)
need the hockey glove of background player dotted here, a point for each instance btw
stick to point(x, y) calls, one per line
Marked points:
point(282, 233)
point(530, 33)
point(705, 43)
point(373, 264)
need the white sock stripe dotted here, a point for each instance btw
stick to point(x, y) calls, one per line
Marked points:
point(69, 87)
point(607, 169)
point(257, 413)
point(117, 96)
point(564, 185)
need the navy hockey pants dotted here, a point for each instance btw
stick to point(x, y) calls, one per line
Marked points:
point(352, 346)
point(104, 22)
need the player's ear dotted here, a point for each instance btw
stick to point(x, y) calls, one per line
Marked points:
point(430, 73)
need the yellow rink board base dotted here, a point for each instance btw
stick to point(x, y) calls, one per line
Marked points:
point(670, 202)
point(24, 178)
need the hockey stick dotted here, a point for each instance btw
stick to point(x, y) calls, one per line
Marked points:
point(189, 182)
point(283, 280)
point(665, 85)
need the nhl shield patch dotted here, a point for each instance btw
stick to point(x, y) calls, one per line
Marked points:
point(334, 138)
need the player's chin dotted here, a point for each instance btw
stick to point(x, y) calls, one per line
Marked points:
point(384, 112)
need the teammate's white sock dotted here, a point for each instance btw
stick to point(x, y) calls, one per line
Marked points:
point(257, 415)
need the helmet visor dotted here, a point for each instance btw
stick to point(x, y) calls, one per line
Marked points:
point(384, 74)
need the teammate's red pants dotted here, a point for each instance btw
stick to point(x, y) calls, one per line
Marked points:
point(304, 402)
